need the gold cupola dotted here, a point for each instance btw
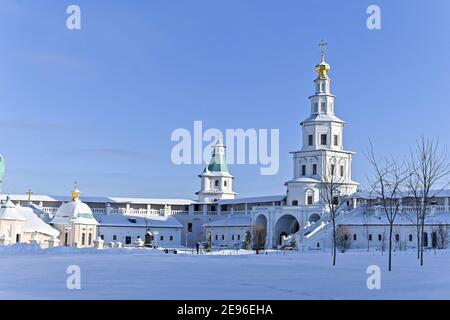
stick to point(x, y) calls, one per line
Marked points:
point(322, 68)
point(75, 193)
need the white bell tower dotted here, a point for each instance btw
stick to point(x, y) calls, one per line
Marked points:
point(322, 150)
point(217, 182)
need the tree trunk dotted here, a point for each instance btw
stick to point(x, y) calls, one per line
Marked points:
point(334, 238)
point(422, 231)
point(418, 242)
point(391, 226)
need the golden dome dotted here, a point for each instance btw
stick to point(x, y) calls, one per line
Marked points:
point(322, 69)
point(75, 193)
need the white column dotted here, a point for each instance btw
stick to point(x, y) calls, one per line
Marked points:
point(269, 236)
point(446, 204)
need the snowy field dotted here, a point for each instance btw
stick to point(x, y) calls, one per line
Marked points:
point(148, 274)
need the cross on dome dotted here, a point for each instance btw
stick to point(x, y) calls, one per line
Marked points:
point(322, 68)
point(323, 45)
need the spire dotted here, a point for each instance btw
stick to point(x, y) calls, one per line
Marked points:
point(218, 162)
point(322, 68)
point(75, 192)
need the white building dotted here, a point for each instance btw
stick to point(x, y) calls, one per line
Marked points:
point(75, 222)
point(273, 221)
point(229, 232)
point(22, 224)
point(164, 231)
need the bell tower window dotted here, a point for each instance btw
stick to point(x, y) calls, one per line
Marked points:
point(323, 139)
point(336, 140)
point(323, 107)
point(310, 140)
point(316, 107)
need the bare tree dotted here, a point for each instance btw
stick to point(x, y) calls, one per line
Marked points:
point(413, 213)
point(383, 241)
point(387, 181)
point(259, 237)
point(442, 236)
point(334, 193)
point(431, 165)
point(343, 239)
point(366, 231)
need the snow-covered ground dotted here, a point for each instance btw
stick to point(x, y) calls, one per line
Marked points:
point(28, 273)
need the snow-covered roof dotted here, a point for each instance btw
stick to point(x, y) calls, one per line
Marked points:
point(305, 180)
point(35, 224)
point(323, 118)
point(232, 221)
point(438, 193)
point(8, 211)
point(120, 220)
point(74, 211)
point(30, 216)
point(49, 198)
point(252, 200)
point(208, 173)
point(364, 218)
point(151, 201)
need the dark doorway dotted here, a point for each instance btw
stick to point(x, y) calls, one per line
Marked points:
point(127, 240)
point(434, 240)
point(425, 239)
point(148, 239)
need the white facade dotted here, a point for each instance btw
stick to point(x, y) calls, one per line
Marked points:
point(165, 231)
point(322, 153)
point(228, 233)
point(75, 222)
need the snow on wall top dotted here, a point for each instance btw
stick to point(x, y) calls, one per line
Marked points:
point(119, 220)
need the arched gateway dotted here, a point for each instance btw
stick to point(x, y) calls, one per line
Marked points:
point(286, 225)
point(260, 232)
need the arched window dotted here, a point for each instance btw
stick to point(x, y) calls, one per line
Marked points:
point(83, 239)
point(90, 239)
point(309, 196)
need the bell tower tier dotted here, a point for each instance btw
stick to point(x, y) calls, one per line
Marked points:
point(322, 150)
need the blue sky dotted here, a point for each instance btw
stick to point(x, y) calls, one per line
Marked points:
point(99, 105)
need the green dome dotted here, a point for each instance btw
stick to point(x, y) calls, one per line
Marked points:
point(218, 163)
